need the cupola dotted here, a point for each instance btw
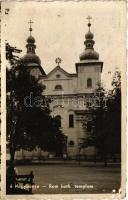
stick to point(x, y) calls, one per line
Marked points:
point(31, 56)
point(89, 52)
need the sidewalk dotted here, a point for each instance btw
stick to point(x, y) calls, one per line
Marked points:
point(70, 162)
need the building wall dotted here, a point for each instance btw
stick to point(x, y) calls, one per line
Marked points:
point(63, 103)
point(70, 100)
point(69, 84)
point(85, 72)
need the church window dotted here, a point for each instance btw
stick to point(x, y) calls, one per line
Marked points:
point(89, 126)
point(58, 117)
point(30, 49)
point(44, 86)
point(58, 87)
point(71, 121)
point(89, 83)
point(71, 143)
point(89, 45)
point(58, 76)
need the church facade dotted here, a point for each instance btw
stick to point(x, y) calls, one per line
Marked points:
point(69, 91)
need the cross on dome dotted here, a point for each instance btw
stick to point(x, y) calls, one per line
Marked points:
point(89, 23)
point(30, 22)
point(89, 52)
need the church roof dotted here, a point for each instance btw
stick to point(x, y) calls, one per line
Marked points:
point(89, 52)
point(31, 39)
point(31, 59)
point(31, 56)
point(62, 70)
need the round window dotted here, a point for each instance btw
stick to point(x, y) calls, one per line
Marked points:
point(58, 76)
point(71, 143)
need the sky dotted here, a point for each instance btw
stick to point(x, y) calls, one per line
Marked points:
point(59, 29)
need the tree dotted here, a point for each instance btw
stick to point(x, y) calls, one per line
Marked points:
point(10, 53)
point(29, 125)
point(114, 116)
point(97, 136)
point(105, 120)
point(19, 85)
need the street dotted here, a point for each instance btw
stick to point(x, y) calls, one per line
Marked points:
point(73, 178)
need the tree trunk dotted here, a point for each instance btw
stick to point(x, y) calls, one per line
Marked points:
point(105, 160)
point(95, 159)
point(12, 153)
point(79, 155)
point(11, 175)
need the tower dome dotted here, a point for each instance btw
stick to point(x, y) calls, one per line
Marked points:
point(89, 35)
point(31, 39)
point(89, 52)
point(31, 56)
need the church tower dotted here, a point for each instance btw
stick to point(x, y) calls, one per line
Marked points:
point(89, 68)
point(31, 60)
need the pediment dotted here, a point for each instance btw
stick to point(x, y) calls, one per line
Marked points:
point(58, 73)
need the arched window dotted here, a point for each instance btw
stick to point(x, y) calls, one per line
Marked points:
point(71, 143)
point(30, 49)
point(58, 117)
point(89, 45)
point(89, 83)
point(89, 126)
point(71, 121)
point(58, 87)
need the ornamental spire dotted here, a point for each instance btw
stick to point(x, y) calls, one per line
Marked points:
point(58, 61)
point(89, 52)
point(30, 40)
point(30, 28)
point(89, 23)
point(89, 42)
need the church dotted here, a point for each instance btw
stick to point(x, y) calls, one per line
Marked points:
point(69, 91)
